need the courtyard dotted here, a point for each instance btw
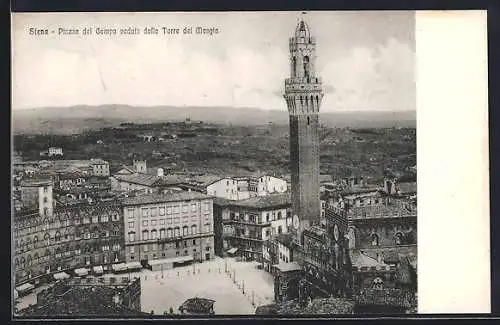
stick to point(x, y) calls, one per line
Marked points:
point(238, 291)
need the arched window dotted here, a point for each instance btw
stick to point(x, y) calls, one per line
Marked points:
point(77, 250)
point(374, 240)
point(279, 215)
point(177, 232)
point(23, 262)
point(185, 230)
point(193, 230)
point(162, 233)
point(169, 232)
point(46, 238)
point(36, 258)
point(47, 253)
point(46, 224)
point(145, 235)
point(399, 238)
point(154, 234)
point(28, 260)
point(131, 236)
point(57, 237)
point(279, 230)
point(307, 72)
point(58, 252)
point(294, 67)
point(66, 234)
point(86, 233)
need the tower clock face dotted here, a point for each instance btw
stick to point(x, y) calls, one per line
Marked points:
point(336, 233)
point(296, 221)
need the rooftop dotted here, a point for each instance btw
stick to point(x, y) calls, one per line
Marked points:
point(288, 267)
point(140, 179)
point(160, 198)
point(259, 202)
point(359, 260)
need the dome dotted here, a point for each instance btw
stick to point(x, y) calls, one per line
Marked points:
point(302, 29)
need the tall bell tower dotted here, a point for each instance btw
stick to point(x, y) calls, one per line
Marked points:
point(303, 95)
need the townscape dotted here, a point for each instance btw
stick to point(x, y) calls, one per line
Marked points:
point(115, 237)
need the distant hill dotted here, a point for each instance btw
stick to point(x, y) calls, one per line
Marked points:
point(74, 119)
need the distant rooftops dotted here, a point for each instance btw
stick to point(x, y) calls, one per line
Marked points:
point(382, 211)
point(169, 197)
point(140, 179)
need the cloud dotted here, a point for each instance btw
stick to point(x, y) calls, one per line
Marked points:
point(380, 78)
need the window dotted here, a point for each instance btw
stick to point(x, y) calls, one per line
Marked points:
point(145, 248)
point(154, 211)
point(153, 222)
point(145, 223)
point(131, 236)
point(279, 230)
point(86, 220)
point(145, 235)
point(116, 247)
point(169, 210)
point(176, 209)
point(131, 225)
point(267, 217)
point(130, 213)
point(207, 248)
point(145, 212)
point(184, 209)
point(162, 233)
point(374, 240)
point(162, 211)
point(35, 242)
point(47, 239)
point(104, 218)
point(279, 215)
point(185, 231)
point(177, 231)
point(193, 230)
point(105, 248)
point(207, 206)
point(131, 249)
point(162, 221)
point(95, 219)
point(268, 233)
point(193, 207)
point(194, 243)
point(153, 234)
point(154, 247)
point(399, 238)
point(169, 232)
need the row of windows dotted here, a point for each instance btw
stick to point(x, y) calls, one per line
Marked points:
point(154, 247)
point(48, 240)
point(162, 211)
point(154, 222)
point(51, 224)
point(398, 239)
point(166, 233)
point(60, 253)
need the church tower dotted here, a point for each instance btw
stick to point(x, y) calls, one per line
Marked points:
point(303, 95)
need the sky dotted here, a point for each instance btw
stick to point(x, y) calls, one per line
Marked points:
point(366, 60)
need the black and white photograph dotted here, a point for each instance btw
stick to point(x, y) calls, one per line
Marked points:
point(205, 164)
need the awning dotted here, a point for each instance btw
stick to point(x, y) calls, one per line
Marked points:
point(98, 269)
point(61, 276)
point(25, 287)
point(119, 267)
point(81, 271)
point(134, 265)
point(232, 250)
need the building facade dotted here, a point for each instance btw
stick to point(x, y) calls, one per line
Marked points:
point(169, 225)
point(100, 168)
point(248, 224)
point(242, 188)
point(303, 95)
point(70, 238)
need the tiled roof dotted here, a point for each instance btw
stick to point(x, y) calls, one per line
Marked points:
point(140, 179)
point(263, 202)
point(160, 198)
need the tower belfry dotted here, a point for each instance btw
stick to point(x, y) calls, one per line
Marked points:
point(303, 95)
